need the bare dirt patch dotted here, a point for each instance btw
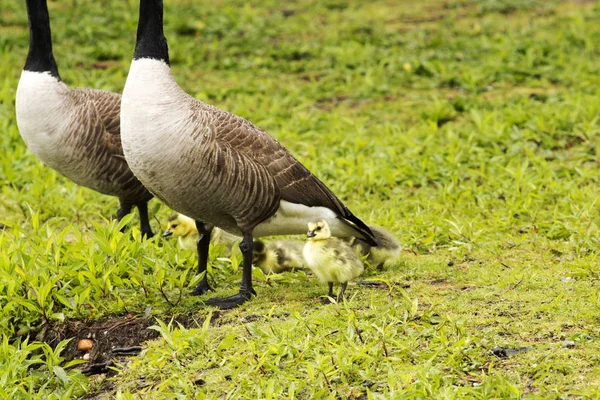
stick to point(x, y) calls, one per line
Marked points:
point(113, 339)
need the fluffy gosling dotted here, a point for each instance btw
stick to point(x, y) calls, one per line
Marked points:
point(184, 229)
point(331, 259)
point(388, 248)
point(277, 256)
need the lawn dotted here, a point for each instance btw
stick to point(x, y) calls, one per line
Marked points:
point(469, 128)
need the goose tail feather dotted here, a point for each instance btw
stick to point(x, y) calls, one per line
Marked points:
point(361, 227)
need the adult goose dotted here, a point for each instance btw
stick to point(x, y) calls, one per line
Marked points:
point(214, 166)
point(75, 131)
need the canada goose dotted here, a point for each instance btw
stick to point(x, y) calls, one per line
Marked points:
point(388, 247)
point(218, 168)
point(277, 256)
point(331, 259)
point(184, 229)
point(75, 131)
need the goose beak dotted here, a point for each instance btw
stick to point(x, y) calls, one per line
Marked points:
point(311, 234)
point(167, 233)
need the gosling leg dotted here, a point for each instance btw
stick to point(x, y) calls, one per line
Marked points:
point(340, 297)
point(330, 295)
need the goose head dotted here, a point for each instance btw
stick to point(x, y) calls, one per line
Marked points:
point(318, 230)
point(180, 226)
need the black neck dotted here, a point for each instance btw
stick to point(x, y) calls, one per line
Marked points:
point(40, 58)
point(151, 42)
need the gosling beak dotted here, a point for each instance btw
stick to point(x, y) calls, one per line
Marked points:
point(167, 233)
point(311, 234)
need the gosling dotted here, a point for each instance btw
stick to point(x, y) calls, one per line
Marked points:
point(388, 248)
point(331, 259)
point(277, 256)
point(184, 229)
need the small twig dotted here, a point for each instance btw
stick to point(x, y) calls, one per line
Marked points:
point(410, 250)
point(308, 327)
point(117, 324)
point(358, 332)
point(262, 369)
point(371, 283)
point(248, 330)
point(384, 347)
point(127, 351)
point(517, 284)
point(327, 381)
point(180, 295)
point(98, 368)
point(144, 289)
point(165, 296)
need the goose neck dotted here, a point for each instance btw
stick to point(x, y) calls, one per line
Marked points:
point(151, 41)
point(40, 57)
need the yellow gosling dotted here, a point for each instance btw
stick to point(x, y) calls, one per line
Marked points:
point(331, 259)
point(388, 248)
point(184, 229)
point(277, 256)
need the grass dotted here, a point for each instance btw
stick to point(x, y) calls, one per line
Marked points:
point(469, 128)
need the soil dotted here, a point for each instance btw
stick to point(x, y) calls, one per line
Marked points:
point(113, 339)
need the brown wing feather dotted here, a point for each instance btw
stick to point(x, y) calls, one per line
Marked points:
point(104, 143)
point(108, 105)
point(294, 181)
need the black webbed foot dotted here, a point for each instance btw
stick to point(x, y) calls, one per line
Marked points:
point(226, 303)
point(147, 234)
point(200, 289)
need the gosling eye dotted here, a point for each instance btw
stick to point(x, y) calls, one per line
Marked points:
point(174, 226)
point(318, 228)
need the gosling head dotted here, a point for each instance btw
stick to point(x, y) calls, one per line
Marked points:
point(259, 251)
point(318, 230)
point(179, 226)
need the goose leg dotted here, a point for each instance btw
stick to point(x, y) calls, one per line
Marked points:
point(202, 246)
point(342, 290)
point(124, 209)
point(246, 290)
point(327, 300)
point(144, 221)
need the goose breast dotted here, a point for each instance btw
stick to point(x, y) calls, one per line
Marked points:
point(76, 132)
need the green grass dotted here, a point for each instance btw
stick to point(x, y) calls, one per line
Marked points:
point(469, 128)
